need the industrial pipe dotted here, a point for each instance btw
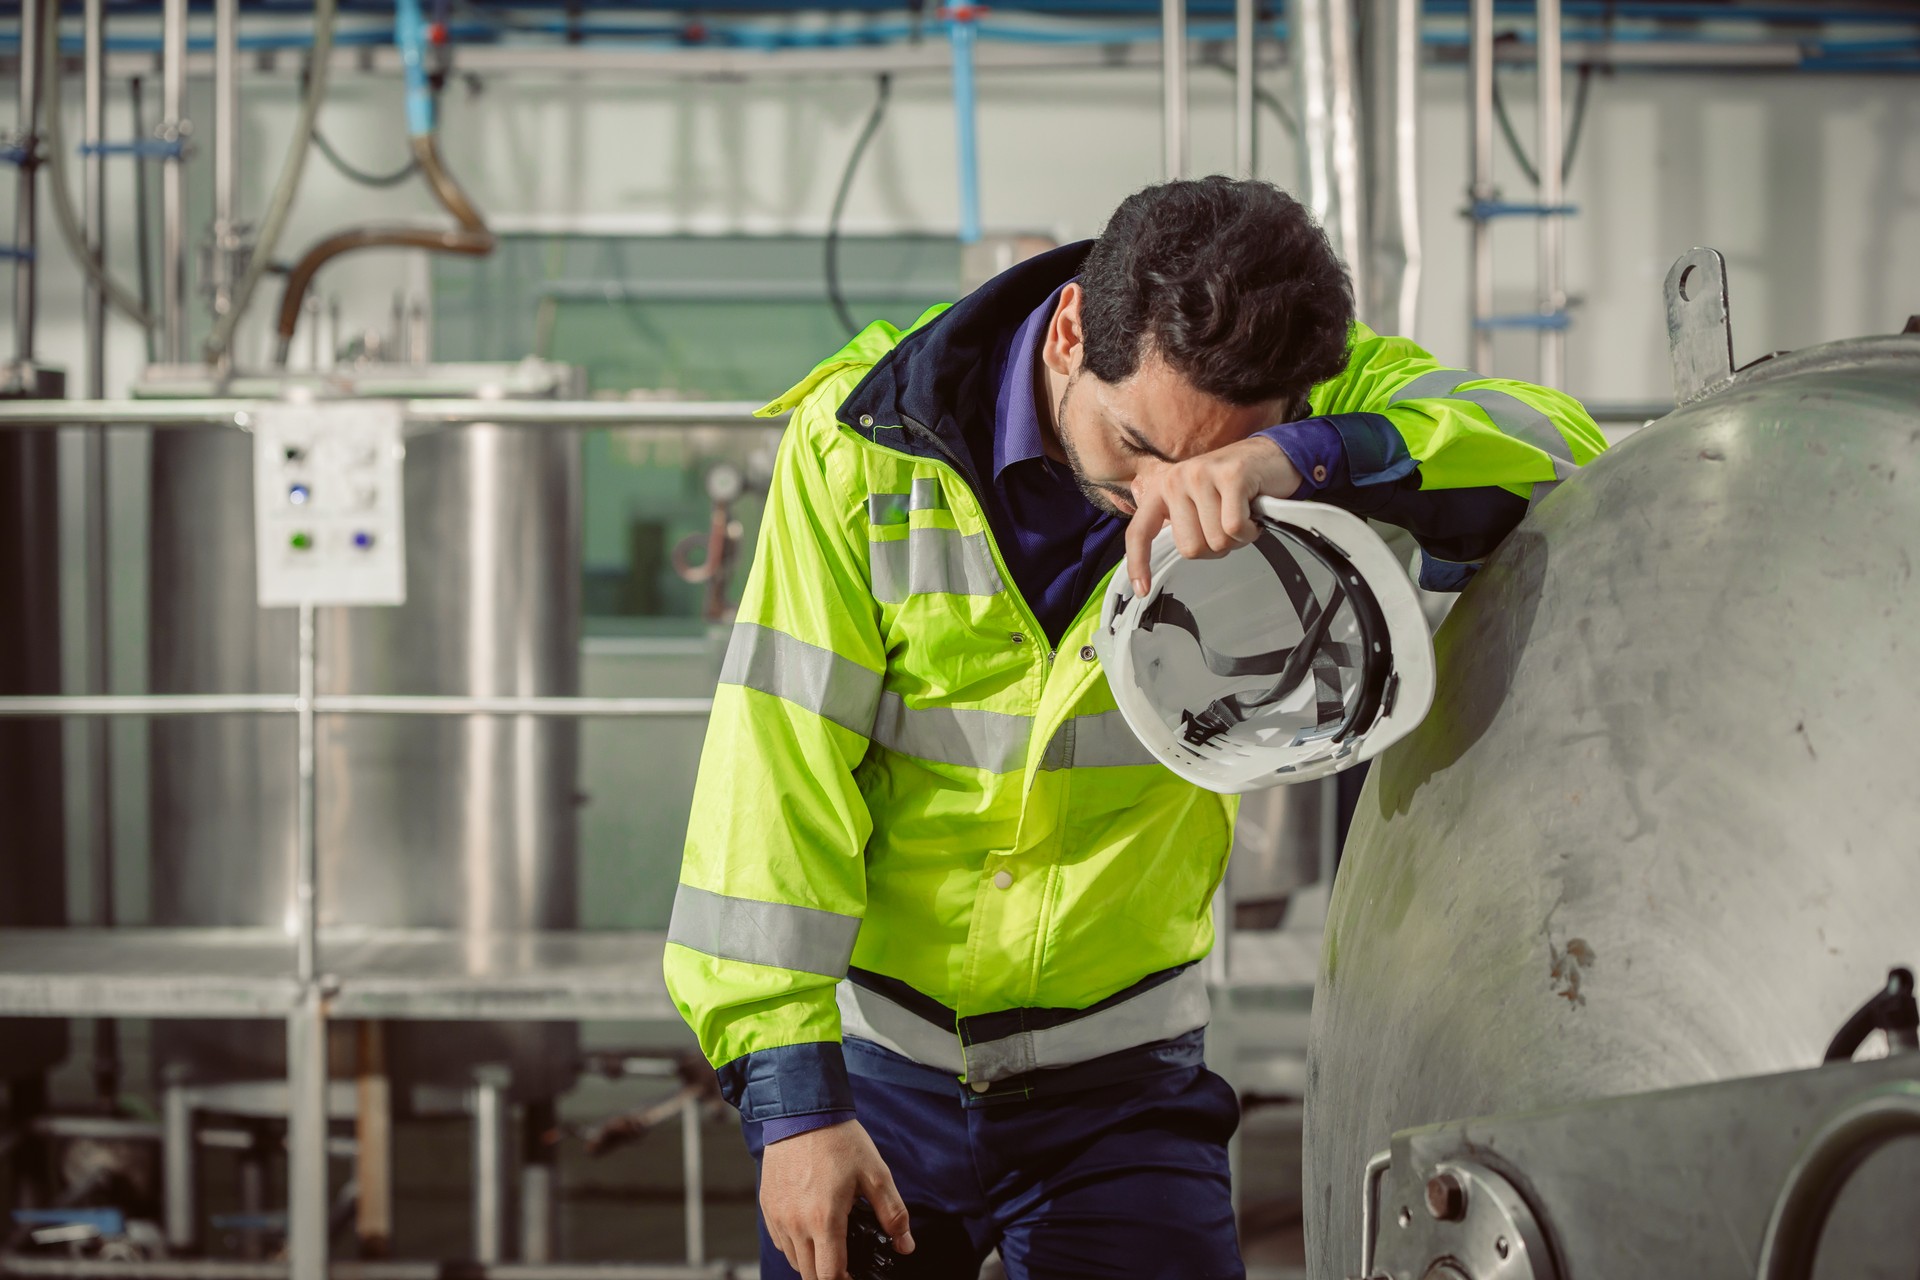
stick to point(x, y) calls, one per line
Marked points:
point(1173, 87)
point(226, 152)
point(472, 238)
point(28, 144)
point(80, 241)
point(280, 206)
point(173, 182)
point(962, 32)
point(1553, 227)
point(1482, 190)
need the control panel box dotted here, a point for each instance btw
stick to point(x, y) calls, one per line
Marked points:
point(328, 503)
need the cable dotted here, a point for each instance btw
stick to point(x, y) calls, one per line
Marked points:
point(280, 207)
point(1265, 99)
point(1574, 127)
point(840, 203)
point(355, 174)
point(56, 151)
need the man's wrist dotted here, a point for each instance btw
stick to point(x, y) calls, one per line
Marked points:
point(781, 1128)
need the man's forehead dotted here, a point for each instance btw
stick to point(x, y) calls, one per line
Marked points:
point(1167, 412)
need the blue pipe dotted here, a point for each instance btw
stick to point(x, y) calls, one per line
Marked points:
point(962, 33)
point(410, 34)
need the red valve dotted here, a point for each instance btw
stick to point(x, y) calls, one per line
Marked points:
point(437, 33)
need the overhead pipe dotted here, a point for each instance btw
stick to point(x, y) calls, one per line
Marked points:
point(472, 237)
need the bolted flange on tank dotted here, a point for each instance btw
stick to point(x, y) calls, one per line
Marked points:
point(1661, 826)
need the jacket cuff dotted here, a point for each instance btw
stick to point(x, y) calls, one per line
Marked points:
point(790, 1080)
point(1314, 447)
point(1375, 451)
point(781, 1128)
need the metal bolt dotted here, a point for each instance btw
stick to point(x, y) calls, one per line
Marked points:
point(1446, 1197)
point(1406, 1216)
point(1501, 1247)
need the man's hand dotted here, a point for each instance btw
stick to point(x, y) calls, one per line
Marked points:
point(808, 1184)
point(1208, 500)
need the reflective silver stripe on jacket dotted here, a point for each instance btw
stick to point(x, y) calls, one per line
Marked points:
point(1507, 411)
point(892, 508)
point(873, 1017)
point(933, 562)
point(1100, 741)
point(1171, 1009)
point(820, 680)
point(990, 740)
point(770, 933)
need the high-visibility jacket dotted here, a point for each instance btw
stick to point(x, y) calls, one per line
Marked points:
point(918, 821)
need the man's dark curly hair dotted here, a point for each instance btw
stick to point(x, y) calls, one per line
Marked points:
point(1231, 282)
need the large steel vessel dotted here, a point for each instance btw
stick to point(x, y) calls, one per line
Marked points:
point(1661, 826)
point(463, 823)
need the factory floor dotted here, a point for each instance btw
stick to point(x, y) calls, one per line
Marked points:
point(627, 1205)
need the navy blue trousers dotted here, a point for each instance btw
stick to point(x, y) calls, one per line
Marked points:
point(1126, 1180)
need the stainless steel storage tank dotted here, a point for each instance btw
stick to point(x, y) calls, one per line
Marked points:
point(33, 882)
point(459, 823)
point(1662, 825)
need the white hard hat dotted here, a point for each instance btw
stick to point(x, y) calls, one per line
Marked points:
point(1293, 657)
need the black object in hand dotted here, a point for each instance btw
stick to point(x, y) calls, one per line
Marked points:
point(870, 1254)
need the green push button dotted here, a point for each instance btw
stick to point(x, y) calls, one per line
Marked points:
point(301, 542)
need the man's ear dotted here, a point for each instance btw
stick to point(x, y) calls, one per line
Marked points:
point(1064, 347)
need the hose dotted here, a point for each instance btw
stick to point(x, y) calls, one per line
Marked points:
point(884, 89)
point(472, 238)
point(63, 212)
point(280, 207)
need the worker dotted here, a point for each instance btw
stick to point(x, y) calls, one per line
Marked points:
point(940, 916)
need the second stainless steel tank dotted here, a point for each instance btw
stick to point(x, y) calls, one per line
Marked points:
point(1661, 824)
point(464, 823)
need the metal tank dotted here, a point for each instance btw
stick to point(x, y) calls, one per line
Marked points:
point(1661, 826)
point(423, 822)
point(33, 885)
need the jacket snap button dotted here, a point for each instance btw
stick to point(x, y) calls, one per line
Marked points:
point(1086, 653)
point(1004, 880)
point(1019, 638)
point(978, 1086)
point(866, 419)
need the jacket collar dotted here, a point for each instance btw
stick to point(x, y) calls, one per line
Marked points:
point(934, 390)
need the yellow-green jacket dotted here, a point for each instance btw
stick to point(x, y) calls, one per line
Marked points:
point(919, 823)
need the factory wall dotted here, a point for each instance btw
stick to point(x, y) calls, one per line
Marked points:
point(1809, 184)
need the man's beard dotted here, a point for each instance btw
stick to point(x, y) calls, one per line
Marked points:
point(1102, 498)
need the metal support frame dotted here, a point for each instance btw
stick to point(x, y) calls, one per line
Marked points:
point(491, 1161)
point(694, 1174)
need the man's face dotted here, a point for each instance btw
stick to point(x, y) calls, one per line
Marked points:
point(1110, 432)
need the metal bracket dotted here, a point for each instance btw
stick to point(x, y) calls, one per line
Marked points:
point(1699, 337)
point(1460, 1220)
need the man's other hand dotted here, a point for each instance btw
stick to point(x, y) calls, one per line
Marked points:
point(1208, 500)
point(807, 1186)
